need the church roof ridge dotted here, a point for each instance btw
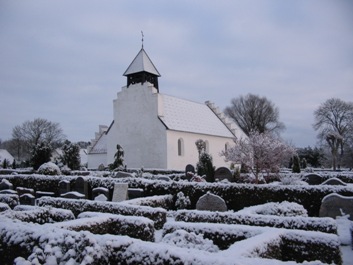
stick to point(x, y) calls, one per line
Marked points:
point(141, 63)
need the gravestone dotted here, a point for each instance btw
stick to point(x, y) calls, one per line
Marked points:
point(134, 193)
point(334, 181)
point(223, 173)
point(120, 192)
point(189, 168)
point(73, 195)
point(27, 199)
point(334, 205)
point(8, 192)
point(100, 190)
point(81, 186)
point(211, 202)
point(5, 185)
point(64, 186)
point(313, 179)
point(40, 194)
point(101, 198)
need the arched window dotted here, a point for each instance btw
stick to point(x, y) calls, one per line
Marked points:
point(207, 147)
point(226, 146)
point(180, 147)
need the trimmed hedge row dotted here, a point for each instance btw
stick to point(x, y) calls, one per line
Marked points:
point(239, 196)
point(40, 215)
point(163, 201)
point(48, 244)
point(236, 196)
point(284, 245)
point(327, 225)
point(158, 215)
point(100, 223)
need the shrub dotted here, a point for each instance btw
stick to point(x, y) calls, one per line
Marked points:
point(296, 164)
point(205, 167)
point(49, 168)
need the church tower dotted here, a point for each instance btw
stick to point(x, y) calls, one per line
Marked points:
point(142, 70)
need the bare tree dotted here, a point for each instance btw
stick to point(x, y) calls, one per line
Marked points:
point(259, 152)
point(333, 120)
point(31, 133)
point(254, 113)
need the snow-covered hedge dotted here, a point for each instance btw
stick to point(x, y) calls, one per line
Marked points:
point(40, 215)
point(264, 242)
point(11, 200)
point(327, 225)
point(4, 207)
point(102, 223)
point(239, 196)
point(163, 201)
point(158, 215)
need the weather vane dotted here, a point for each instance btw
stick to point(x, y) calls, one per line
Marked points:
point(142, 38)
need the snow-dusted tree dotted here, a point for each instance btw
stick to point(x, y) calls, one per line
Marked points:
point(71, 155)
point(259, 152)
point(31, 133)
point(255, 113)
point(205, 167)
point(333, 121)
point(201, 146)
point(118, 157)
point(40, 154)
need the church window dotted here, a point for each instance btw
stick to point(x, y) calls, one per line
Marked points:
point(180, 147)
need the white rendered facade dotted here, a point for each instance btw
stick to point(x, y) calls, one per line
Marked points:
point(159, 131)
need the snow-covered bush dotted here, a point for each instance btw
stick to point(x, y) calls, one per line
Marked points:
point(65, 170)
point(292, 180)
point(4, 207)
point(49, 168)
point(281, 209)
point(11, 200)
point(182, 201)
point(190, 240)
point(327, 225)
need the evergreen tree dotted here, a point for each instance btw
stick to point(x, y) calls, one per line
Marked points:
point(40, 154)
point(296, 164)
point(205, 167)
point(14, 164)
point(119, 157)
point(71, 156)
point(5, 163)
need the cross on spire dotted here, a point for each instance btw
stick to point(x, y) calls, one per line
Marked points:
point(142, 38)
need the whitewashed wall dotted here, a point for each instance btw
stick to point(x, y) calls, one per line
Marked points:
point(95, 160)
point(137, 128)
point(190, 156)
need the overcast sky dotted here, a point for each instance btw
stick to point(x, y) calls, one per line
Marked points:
point(63, 60)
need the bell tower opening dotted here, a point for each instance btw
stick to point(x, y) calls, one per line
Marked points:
point(142, 70)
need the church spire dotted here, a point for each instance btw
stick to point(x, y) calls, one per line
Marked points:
point(142, 69)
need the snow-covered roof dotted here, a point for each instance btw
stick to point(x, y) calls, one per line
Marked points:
point(141, 63)
point(188, 116)
point(99, 144)
point(4, 154)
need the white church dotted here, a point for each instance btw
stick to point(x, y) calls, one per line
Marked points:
point(157, 130)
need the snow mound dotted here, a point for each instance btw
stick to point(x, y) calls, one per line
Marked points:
point(190, 240)
point(284, 208)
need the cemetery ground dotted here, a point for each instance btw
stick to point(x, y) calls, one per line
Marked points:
point(170, 217)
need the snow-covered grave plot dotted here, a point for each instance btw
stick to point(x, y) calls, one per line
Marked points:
point(147, 231)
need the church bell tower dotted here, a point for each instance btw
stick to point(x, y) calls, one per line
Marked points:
point(142, 70)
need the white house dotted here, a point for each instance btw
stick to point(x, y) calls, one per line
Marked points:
point(4, 154)
point(158, 130)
